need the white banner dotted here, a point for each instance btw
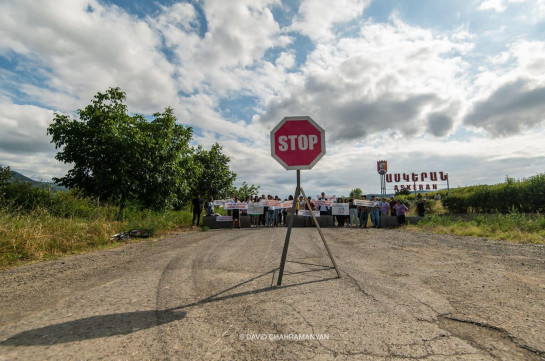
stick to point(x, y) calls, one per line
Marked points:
point(254, 208)
point(224, 219)
point(364, 203)
point(323, 203)
point(219, 202)
point(236, 205)
point(306, 213)
point(340, 209)
point(267, 203)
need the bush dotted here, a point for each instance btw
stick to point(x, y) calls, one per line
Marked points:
point(523, 196)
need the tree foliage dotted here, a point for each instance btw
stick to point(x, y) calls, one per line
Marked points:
point(5, 176)
point(213, 176)
point(357, 193)
point(117, 157)
point(245, 191)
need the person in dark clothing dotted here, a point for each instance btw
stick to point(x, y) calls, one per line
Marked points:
point(197, 207)
point(392, 205)
point(420, 207)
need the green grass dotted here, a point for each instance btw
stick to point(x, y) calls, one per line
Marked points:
point(40, 235)
point(514, 227)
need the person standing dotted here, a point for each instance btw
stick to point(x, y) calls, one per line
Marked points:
point(384, 208)
point(353, 212)
point(401, 209)
point(392, 205)
point(197, 207)
point(420, 207)
point(236, 213)
point(364, 214)
point(210, 206)
point(340, 218)
point(324, 210)
point(375, 217)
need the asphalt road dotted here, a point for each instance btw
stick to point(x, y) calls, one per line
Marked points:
point(212, 296)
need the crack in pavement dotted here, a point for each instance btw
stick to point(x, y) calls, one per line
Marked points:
point(497, 332)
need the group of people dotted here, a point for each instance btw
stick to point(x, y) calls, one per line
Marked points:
point(358, 216)
point(376, 207)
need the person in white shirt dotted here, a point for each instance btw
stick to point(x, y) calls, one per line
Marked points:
point(375, 216)
point(324, 210)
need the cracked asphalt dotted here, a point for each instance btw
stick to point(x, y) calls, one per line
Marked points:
point(212, 296)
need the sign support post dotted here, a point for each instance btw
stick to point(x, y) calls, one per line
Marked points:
point(288, 233)
point(321, 234)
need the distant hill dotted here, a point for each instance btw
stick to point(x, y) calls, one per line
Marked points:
point(18, 177)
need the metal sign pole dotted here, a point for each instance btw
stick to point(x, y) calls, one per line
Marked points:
point(288, 233)
point(321, 234)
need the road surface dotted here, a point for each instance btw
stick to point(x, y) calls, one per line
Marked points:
point(212, 296)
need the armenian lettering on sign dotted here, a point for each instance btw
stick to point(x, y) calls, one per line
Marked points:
point(425, 181)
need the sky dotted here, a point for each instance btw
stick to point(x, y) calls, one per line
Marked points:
point(428, 85)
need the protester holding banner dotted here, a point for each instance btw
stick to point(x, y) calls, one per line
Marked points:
point(255, 216)
point(340, 217)
point(364, 213)
point(353, 212)
point(375, 217)
point(277, 213)
point(324, 210)
point(302, 204)
point(312, 208)
point(270, 213)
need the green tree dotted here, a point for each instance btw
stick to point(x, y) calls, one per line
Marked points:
point(357, 193)
point(245, 191)
point(165, 165)
point(212, 176)
point(5, 176)
point(117, 157)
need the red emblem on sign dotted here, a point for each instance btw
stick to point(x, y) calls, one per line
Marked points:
point(297, 142)
point(382, 167)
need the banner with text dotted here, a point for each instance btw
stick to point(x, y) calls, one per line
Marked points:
point(340, 209)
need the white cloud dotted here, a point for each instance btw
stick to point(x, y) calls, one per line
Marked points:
point(384, 87)
point(24, 129)
point(391, 76)
point(509, 100)
point(497, 5)
point(316, 18)
point(82, 52)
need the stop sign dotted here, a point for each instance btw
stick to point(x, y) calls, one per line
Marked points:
point(297, 142)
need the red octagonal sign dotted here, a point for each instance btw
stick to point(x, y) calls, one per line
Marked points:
point(297, 142)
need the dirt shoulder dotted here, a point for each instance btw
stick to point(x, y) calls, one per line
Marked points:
point(212, 295)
